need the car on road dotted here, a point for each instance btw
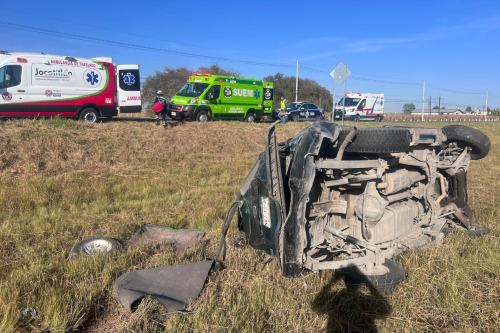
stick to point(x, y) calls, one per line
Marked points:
point(303, 111)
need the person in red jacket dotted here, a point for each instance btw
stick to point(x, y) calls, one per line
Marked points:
point(160, 107)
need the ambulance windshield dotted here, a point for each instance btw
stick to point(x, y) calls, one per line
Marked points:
point(192, 89)
point(349, 101)
point(10, 76)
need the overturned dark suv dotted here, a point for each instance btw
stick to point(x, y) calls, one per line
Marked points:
point(334, 197)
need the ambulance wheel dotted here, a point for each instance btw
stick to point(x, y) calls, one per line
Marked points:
point(295, 117)
point(251, 117)
point(203, 116)
point(356, 119)
point(89, 115)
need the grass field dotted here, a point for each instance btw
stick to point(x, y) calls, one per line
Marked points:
point(61, 181)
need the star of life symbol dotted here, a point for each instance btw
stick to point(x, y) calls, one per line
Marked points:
point(92, 77)
point(129, 79)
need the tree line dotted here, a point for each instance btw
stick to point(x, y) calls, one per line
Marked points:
point(170, 80)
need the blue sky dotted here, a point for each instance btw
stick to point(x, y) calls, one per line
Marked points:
point(390, 46)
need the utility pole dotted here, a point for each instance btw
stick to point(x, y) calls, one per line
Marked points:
point(423, 100)
point(486, 106)
point(333, 102)
point(439, 105)
point(297, 83)
point(430, 105)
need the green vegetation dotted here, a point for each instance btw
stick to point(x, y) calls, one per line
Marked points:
point(408, 108)
point(309, 91)
point(61, 181)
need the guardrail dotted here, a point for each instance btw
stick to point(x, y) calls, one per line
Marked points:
point(440, 118)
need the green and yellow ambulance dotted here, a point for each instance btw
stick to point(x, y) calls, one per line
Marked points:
point(207, 97)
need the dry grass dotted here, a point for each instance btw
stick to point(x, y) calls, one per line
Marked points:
point(61, 181)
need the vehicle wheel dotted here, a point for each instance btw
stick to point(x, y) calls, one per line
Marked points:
point(379, 119)
point(251, 117)
point(203, 116)
point(384, 283)
point(295, 117)
point(356, 119)
point(378, 140)
point(95, 245)
point(89, 115)
point(466, 136)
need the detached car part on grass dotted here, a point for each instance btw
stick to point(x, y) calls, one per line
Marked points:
point(334, 197)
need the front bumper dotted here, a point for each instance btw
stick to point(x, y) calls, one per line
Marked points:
point(182, 112)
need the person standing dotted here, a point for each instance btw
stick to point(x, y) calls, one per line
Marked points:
point(160, 107)
point(283, 105)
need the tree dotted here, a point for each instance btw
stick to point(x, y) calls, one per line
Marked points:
point(435, 107)
point(408, 108)
point(309, 91)
point(216, 69)
point(169, 81)
point(468, 109)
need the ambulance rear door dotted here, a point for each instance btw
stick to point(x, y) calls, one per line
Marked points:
point(129, 88)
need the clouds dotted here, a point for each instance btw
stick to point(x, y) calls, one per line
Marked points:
point(329, 46)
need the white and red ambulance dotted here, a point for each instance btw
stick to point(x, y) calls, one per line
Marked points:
point(360, 106)
point(40, 85)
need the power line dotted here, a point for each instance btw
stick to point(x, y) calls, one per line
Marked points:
point(367, 79)
point(109, 42)
point(458, 91)
point(136, 46)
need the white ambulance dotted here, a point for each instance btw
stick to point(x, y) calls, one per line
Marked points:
point(360, 106)
point(40, 85)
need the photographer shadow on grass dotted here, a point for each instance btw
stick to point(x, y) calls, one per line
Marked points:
point(354, 308)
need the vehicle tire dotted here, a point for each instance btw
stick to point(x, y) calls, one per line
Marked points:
point(378, 140)
point(384, 284)
point(466, 136)
point(251, 118)
point(357, 118)
point(89, 115)
point(295, 117)
point(95, 245)
point(203, 116)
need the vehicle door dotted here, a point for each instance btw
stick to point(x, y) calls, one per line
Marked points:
point(128, 88)
point(12, 86)
point(361, 107)
point(313, 111)
point(302, 111)
point(212, 97)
